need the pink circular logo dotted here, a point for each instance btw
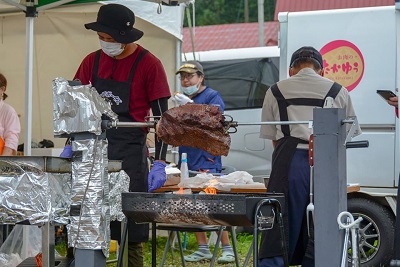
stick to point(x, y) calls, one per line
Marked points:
point(343, 63)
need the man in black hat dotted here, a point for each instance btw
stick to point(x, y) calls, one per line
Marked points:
point(135, 81)
point(294, 99)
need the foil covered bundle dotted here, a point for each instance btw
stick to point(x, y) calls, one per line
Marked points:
point(78, 108)
point(89, 226)
point(32, 195)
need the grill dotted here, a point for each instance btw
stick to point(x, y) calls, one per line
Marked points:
point(260, 210)
point(220, 209)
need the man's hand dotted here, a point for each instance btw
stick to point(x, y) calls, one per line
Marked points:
point(393, 101)
point(157, 176)
point(182, 99)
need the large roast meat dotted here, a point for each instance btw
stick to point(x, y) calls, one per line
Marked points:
point(195, 125)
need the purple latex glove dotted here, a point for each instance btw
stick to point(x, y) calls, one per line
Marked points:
point(157, 176)
point(67, 152)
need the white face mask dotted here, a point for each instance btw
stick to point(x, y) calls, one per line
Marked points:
point(111, 49)
point(190, 90)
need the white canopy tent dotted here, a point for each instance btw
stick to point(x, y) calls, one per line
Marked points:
point(34, 51)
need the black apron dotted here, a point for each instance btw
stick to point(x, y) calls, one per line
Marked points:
point(281, 159)
point(270, 245)
point(126, 144)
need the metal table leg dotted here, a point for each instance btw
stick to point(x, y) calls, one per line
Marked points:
point(48, 245)
point(234, 244)
point(221, 229)
point(153, 245)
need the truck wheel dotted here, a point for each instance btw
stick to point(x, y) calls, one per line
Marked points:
point(376, 232)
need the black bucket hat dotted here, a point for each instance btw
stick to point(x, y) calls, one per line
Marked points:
point(117, 21)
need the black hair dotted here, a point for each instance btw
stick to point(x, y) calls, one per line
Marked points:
point(3, 82)
point(306, 61)
point(200, 74)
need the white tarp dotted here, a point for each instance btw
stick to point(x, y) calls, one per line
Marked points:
point(170, 18)
point(60, 42)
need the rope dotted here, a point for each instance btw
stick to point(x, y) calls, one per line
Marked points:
point(191, 31)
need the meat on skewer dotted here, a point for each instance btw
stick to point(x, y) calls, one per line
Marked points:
point(195, 125)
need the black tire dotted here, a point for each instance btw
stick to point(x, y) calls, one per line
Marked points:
point(376, 232)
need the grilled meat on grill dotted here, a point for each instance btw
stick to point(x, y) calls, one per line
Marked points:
point(195, 125)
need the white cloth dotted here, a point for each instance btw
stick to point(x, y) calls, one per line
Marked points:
point(237, 179)
point(182, 99)
point(10, 126)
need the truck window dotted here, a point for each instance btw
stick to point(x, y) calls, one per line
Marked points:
point(242, 83)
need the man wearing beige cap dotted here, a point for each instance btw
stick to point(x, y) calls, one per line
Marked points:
point(194, 90)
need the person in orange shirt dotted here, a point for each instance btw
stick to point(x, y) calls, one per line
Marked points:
point(10, 127)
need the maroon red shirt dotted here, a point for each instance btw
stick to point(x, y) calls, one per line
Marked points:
point(149, 83)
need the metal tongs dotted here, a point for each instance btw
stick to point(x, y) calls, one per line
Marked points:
point(229, 123)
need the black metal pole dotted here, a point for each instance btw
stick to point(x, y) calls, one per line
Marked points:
point(153, 245)
point(123, 242)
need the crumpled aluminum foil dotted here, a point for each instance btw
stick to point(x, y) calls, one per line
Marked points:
point(78, 108)
point(119, 182)
point(16, 202)
point(29, 194)
point(89, 226)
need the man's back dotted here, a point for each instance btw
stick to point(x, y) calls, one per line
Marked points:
point(298, 90)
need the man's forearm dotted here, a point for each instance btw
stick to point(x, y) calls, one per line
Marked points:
point(158, 107)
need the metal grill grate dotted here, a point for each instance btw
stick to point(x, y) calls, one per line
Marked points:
point(221, 209)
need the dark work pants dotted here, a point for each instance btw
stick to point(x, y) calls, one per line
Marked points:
point(298, 198)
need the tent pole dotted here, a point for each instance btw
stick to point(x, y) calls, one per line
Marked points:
point(28, 86)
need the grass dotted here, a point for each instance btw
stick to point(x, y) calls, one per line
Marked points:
point(173, 259)
point(244, 241)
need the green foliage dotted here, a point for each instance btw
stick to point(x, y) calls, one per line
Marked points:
point(213, 12)
point(61, 248)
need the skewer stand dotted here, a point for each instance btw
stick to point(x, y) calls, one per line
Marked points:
point(330, 184)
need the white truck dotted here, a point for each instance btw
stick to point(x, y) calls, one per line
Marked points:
point(360, 51)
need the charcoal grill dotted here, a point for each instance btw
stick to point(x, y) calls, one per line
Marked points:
point(260, 210)
point(219, 209)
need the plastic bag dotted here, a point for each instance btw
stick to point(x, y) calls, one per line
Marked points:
point(23, 242)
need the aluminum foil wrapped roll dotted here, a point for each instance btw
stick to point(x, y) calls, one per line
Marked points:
point(29, 194)
point(78, 108)
point(119, 182)
point(89, 226)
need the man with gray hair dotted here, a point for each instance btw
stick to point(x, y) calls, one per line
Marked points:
point(294, 99)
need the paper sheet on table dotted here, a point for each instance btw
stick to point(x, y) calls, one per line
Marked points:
point(238, 179)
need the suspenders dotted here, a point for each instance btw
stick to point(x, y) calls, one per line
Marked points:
point(132, 72)
point(284, 103)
